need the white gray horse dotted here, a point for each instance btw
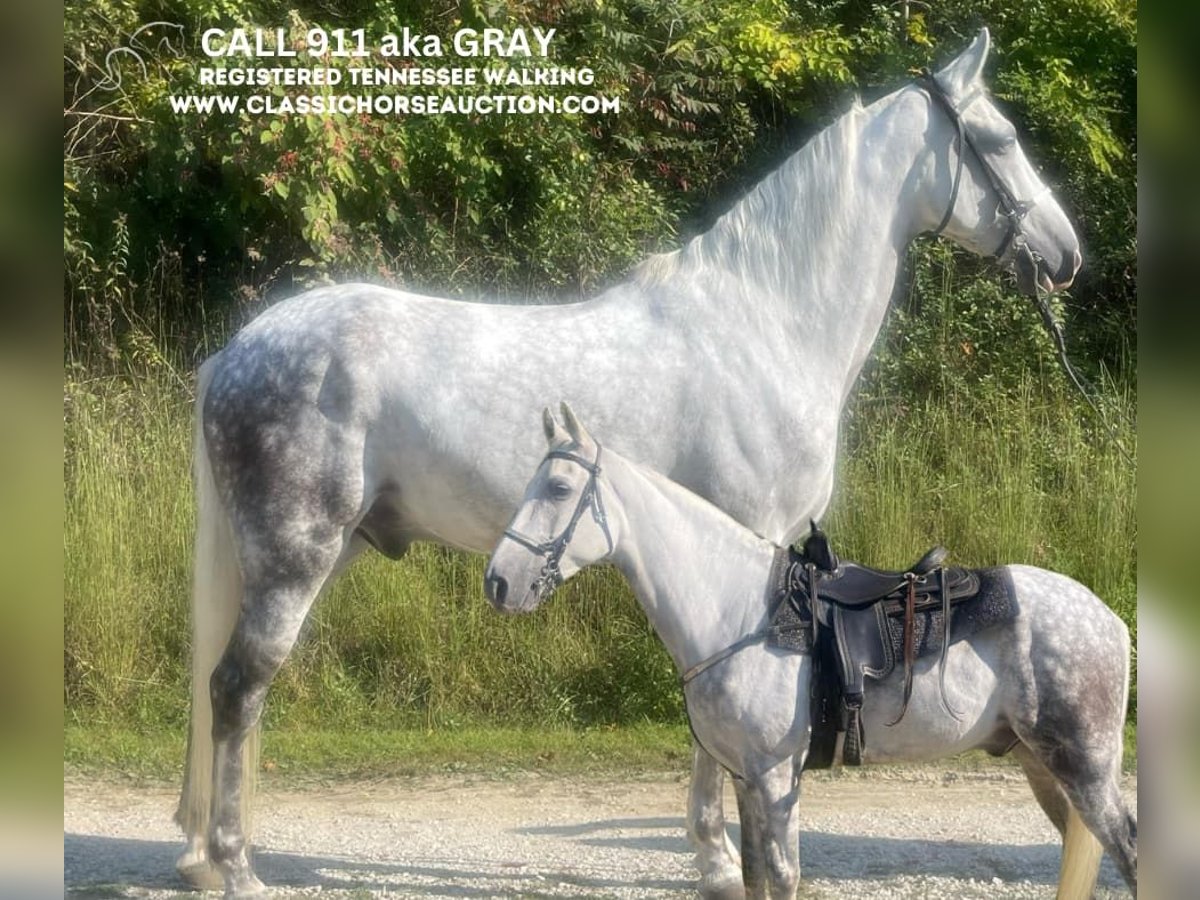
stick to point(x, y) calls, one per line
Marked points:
point(356, 416)
point(1051, 685)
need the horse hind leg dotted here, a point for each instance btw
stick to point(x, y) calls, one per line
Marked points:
point(1102, 810)
point(1046, 789)
point(1082, 753)
point(193, 864)
point(1069, 693)
point(274, 608)
point(1081, 850)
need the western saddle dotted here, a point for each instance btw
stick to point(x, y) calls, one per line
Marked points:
point(858, 621)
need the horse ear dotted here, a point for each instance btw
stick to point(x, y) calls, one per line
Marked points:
point(574, 427)
point(965, 69)
point(554, 431)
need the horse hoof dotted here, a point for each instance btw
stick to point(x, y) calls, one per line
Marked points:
point(245, 886)
point(199, 873)
point(722, 886)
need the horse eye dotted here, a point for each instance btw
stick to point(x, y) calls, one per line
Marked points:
point(560, 490)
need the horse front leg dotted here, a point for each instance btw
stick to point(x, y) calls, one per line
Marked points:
point(716, 858)
point(768, 804)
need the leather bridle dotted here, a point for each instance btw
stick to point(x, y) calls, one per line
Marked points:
point(552, 550)
point(1026, 261)
point(1011, 208)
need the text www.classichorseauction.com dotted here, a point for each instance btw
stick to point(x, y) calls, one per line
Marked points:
point(354, 76)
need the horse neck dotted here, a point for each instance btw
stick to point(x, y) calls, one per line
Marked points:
point(701, 578)
point(810, 255)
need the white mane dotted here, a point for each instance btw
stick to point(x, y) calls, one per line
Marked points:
point(760, 242)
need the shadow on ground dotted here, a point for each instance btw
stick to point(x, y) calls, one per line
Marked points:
point(103, 867)
point(106, 867)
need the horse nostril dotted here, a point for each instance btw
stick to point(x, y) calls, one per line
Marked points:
point(497, 589)
point(1069, 269)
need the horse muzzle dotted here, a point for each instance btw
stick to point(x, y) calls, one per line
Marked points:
point(495, 587)
point(1034, 272)
point(504, 599)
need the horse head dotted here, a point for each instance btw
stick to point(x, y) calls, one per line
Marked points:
point(560, 526)
point(981, 186)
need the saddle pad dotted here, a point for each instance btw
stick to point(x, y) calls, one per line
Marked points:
point(791, 626)
point(993, 604)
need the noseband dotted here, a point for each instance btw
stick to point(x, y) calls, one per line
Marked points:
point(1011, 208)
point(552, 550)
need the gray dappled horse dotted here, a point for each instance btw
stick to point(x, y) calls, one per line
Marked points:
point(1049, 682)
point(356, 416)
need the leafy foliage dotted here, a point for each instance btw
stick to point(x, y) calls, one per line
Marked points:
point(529, 205)
point(177, 227)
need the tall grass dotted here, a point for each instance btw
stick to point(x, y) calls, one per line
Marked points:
point(127, 534)
point(997, 478)
point(1010, 477)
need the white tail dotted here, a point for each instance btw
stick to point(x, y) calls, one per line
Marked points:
point(216, 601)
point(1080, 860)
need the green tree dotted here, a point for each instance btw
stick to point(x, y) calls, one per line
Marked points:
point(177, 227)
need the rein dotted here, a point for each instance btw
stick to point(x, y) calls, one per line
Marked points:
point(1082, 384)
point(1014, 211)
point(552, 550)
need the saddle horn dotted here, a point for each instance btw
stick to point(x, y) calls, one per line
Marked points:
point(817, 549)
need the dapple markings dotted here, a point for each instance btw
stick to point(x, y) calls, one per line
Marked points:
point(357, 416)
point(1050, 685)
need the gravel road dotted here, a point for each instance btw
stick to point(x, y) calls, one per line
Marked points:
point(925, 832)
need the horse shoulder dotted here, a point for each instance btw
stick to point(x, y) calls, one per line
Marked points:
point(753, 705)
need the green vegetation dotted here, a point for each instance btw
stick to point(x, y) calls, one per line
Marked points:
point(178, 231)
point(415, 644)
point(489, 751)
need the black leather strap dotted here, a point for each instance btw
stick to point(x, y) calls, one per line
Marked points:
point(554, 548)
point(1011, 208)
